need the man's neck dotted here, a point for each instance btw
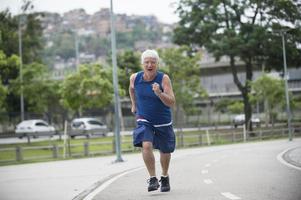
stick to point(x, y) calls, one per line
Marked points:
point(149, 77)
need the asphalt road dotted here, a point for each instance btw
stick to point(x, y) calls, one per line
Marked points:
point(250, 171)
point(238, 171)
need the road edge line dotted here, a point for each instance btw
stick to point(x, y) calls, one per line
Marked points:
point(280, 158)
point(108, 182)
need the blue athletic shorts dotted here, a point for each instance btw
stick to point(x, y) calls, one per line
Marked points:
point(163, 138)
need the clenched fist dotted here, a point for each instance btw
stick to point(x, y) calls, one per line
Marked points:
point(156, 89)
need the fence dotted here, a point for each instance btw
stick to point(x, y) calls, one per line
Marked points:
point(7, 126)
point(89, 148)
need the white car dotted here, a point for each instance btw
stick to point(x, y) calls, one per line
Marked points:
point(34, 127)
point(87, 126)
point(240, 120)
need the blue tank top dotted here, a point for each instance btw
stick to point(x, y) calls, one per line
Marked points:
point(149, 106)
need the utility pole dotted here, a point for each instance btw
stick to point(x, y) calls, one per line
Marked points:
point(21, 67)
point(76, 50)
point(288, 111)
point(115, 83)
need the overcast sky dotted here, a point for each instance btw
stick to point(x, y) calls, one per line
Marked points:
point(162, 9)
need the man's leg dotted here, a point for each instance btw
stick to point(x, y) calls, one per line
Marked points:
point(165, 160)
point(149, 158)
point(165, 140)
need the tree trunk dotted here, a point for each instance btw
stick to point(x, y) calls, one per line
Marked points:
point(248, 111)
point(244, 89)
point(247, 103)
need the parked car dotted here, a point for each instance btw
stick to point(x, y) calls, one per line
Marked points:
point(87, 126)
point(240, 120)
point(35, 128)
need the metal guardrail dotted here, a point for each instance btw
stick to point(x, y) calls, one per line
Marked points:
point(87, 149)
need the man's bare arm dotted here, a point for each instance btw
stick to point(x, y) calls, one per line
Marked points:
point(132, 92)
point(167, 97)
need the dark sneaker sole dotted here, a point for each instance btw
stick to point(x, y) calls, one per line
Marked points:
point(165, 190)
point(153, 188)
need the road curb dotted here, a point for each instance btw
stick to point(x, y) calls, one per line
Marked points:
point(287, 156)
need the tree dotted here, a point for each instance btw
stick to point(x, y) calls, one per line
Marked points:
point(271, 91)
point(236, 107)
point(37, 88)
point(52, 99)
point(296, 103)
point(9, 68)
point(8, 33)
point(184, 72)
point(9, 47)
point(229, 105)
point(9, 71)
point(32, 38)
point(3, 93)
point(91, 87)
point(32, 32)
point(245, 30)
point(128, 63)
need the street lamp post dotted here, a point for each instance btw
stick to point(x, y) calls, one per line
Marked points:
point(115, 83)
point(288, 111)
point(76, 50)
point(21, 68)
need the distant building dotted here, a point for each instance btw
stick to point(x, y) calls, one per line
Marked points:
point(217, 78)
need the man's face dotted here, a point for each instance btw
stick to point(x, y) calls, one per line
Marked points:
point(150, 65)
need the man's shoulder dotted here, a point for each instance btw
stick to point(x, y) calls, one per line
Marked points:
point(165, 76)
point(133, 76)
point(163, 73)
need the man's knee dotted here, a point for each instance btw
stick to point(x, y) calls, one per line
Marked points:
point(147, 146)
point(162, 154)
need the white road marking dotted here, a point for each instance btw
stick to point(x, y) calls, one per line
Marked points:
point(280, 159)
point(204, 171)
point(231, 196)
point(103, 186)
point(208, 181)
point(208, 165)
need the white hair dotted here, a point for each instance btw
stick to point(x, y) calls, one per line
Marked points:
point(150, 53)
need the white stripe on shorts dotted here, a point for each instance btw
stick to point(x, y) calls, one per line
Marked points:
point(157, 125)
point(160, 125)
point(141, 120)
